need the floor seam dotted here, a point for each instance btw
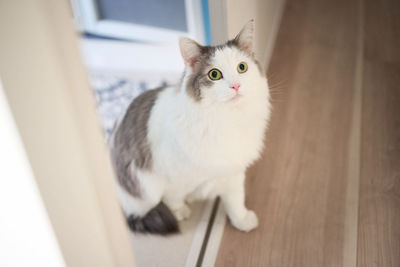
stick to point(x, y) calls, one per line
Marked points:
point(354, 155)
point(208, 233)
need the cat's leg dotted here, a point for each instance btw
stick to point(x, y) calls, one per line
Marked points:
point(233, 198)
point(144, 210)
point(151, 189)
point(175, 200)
point(207, 190)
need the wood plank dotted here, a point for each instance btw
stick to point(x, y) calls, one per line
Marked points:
point(379, 211)
point(298, 189)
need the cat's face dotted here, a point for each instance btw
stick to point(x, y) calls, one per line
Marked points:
point(221, 74)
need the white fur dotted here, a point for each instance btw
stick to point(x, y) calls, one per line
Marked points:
point(202, 149)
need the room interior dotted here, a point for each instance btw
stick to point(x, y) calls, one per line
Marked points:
point(325, 189)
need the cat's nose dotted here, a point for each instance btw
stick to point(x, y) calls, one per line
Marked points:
point(235, 86)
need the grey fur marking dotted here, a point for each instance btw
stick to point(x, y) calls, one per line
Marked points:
point(159, 220)
point(199, 79)
point(130, 144)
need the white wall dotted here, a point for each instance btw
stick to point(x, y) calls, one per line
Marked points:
point(27, 238)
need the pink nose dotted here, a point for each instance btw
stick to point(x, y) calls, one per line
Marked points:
point(235, 86)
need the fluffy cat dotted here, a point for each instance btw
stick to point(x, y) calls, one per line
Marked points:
point(193, 141)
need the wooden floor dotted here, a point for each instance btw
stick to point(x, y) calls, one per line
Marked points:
point(327, 190)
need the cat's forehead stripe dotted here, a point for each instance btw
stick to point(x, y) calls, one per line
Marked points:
point(209, 51)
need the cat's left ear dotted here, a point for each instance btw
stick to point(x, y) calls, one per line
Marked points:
point(245, 37)
point(190, 51)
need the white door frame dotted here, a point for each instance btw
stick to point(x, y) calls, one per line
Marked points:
point(47, 89)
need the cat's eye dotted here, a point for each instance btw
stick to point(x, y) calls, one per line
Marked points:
point(215, 74)
point(242, 67)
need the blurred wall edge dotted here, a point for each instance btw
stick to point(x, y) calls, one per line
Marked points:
point(46, 88)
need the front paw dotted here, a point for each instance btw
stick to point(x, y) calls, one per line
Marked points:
point(247, 223)
point(182, 213)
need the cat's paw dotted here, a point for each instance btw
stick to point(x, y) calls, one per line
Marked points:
point(182, 213)
point(247, 223)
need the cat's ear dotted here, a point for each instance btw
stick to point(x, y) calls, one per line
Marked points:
point(190, 51)
point(245, 37)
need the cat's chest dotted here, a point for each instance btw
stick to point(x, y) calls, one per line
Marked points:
point(211, 140)
point(225, 137)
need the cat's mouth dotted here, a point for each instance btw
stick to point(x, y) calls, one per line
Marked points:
point(236, 97)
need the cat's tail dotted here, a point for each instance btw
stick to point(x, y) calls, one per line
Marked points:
point(158, 220)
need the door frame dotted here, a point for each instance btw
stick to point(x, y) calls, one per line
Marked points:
point(46, 86)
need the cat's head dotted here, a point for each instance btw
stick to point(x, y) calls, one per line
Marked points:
point(224, 73)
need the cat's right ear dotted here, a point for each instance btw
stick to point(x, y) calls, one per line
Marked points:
point(245, 37)
point(190, 51)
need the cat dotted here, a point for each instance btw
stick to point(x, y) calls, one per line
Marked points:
point(194, 141)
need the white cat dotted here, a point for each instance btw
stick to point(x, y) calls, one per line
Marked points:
point(196, 140)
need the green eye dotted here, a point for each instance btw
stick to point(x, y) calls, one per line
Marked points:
point(214, 74)
point(242, 67)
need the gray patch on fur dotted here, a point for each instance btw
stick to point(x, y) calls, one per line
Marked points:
point(130, 144)
point(199, 79)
